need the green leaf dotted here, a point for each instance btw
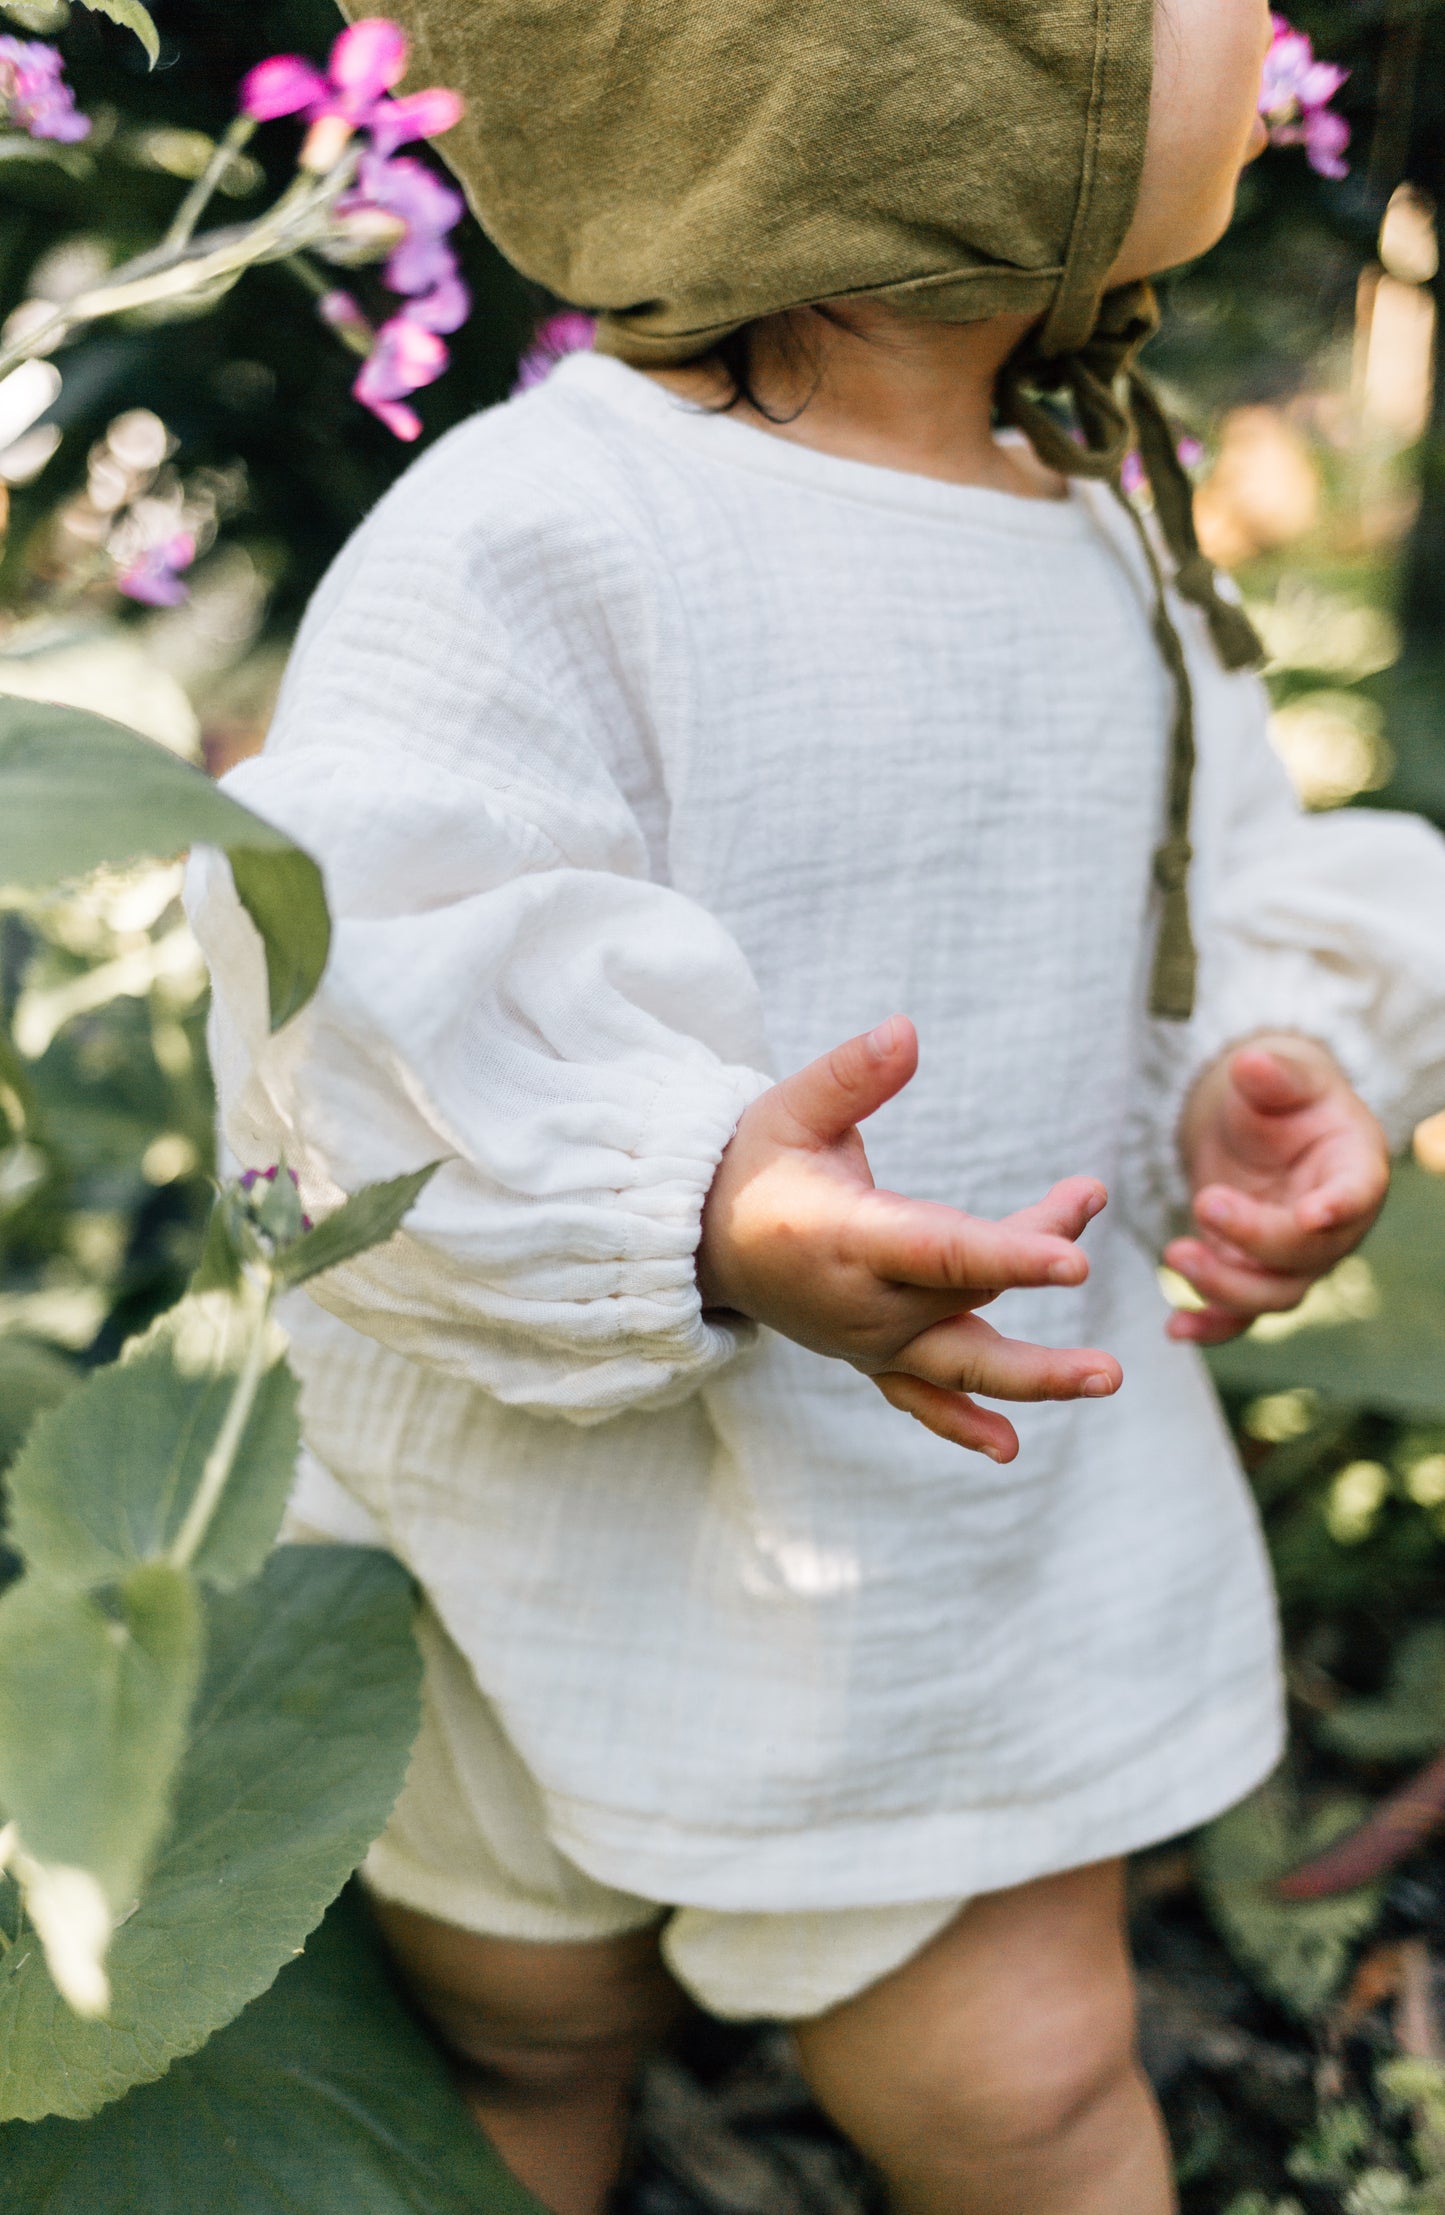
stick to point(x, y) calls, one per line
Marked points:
point(368, 1218)
point(1408, 1720)
point(1373, 1336)
point(33, 1377)
point(79, 793)
point(324, 2098)
point(104, 1480)
point(1298, 1951)
point(219, 1268)
point(281, 891)
point(132, 17)
point(93, 1707)
point(298, 1745)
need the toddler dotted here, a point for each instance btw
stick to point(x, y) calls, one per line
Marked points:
point(661, 735)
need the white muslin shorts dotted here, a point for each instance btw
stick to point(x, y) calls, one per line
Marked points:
point(467, 1843)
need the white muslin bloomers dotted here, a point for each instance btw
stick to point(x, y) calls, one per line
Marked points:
point(647, 755)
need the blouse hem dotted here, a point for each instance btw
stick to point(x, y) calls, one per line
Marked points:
point(954, 1855)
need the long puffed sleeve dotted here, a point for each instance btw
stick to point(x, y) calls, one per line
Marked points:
point(509, 986)
point(1330, 925)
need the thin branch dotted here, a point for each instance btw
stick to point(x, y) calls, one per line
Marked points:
point(196, 201)
point(173, 273)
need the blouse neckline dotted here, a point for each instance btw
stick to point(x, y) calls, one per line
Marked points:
point(721, 437)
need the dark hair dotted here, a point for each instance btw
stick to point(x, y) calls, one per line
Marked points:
point(732, 357)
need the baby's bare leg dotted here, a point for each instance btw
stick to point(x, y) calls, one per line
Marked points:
point(995, 2073)
point(547, 2039)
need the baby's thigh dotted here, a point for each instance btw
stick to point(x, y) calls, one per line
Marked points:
point(1013, 2020)
point(530, 2010)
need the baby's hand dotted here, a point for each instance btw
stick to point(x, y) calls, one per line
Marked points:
point(796, 1235)
point(1289, 1170)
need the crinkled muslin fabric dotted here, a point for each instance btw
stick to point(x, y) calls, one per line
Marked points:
point(647, 755)
point(681, 167)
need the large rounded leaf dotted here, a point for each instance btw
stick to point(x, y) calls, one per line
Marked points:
point(79, 793)
point(104, 1480)
point(299, 1742)
point(323, 2099)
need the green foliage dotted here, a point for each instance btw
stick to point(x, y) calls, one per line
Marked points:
point(95, 1689)
point(298, 1743)
point(106, 1479)
point(133, 17)
point(1297, 1951)
point(1408, 1719)
point(33, 1377)
point(144, 1503)
point(366, 1219)
point(1375, 1334)
point(78, 793)
point(334, 2096)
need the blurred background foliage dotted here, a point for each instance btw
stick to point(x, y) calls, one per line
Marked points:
point(1304, 353)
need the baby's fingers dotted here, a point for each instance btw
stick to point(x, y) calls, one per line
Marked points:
point(1206, 1326)
point(951, 1415)
point(1232, 1280)
point(1287, 1239)
point(965, 1354)
point(923, 1243)
point(1065, 1212)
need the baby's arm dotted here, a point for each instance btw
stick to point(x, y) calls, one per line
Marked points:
point(1318, 1040)
point(796, 1235)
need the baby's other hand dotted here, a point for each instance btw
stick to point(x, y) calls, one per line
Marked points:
point(1289, 1169)
point(796, 1235)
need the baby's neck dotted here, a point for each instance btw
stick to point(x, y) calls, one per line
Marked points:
point(870, 385)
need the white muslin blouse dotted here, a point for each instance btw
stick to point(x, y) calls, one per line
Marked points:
point(647, 755)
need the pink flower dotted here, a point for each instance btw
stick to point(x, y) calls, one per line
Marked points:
point(152, 576)
point(405, 357)
point(395, 201)
point(34, 93)
point(407, 189)
point(353, 92)
point(1294, 100)
point(445, 308)
point(416, 115)
point(568, 332)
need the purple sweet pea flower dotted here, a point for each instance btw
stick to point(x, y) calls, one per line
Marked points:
point(416, 115)
point(365, 62)
point(445, 308)
point(34, 94)
point(153, 576)
point(405, 357)
point(354, 91)
point(395, 201)
point(568, 332)
point(1294, 100)
point(406, 188)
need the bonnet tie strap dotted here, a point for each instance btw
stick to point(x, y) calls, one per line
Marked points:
point(1112, 422)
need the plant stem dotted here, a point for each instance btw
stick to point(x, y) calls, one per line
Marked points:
point(194, 205)
point(258, 1290)
point(170, 273)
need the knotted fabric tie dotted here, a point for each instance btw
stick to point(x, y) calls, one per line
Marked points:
point(1117, 412)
